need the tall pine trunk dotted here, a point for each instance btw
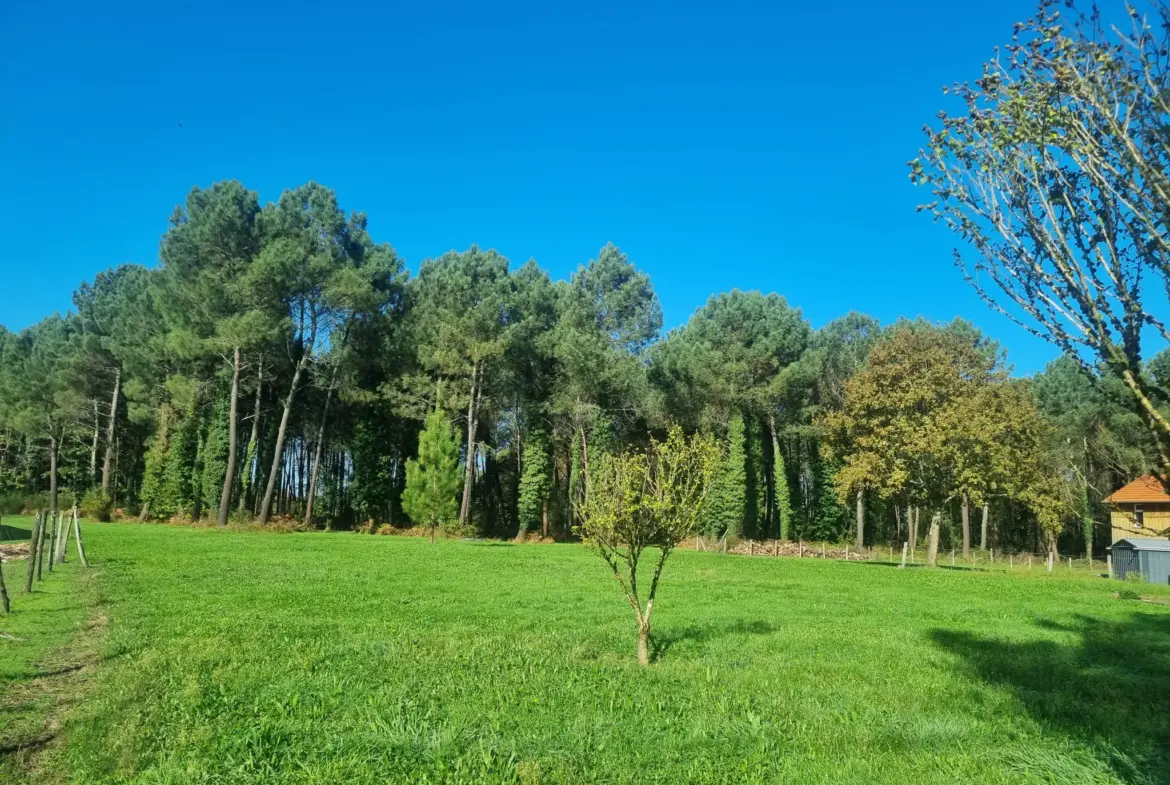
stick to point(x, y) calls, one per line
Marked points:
point(983, 529)
point(860, 519)
point(93, 449)
point(53, 475)
point(966, 527)
point(932, 550)
point(107, 463)
point(312, 491)
point(253, 448)
point(229, 477)
point(469, 469)
point(281, 433)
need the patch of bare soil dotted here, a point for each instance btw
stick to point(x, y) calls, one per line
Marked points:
point(13, 550)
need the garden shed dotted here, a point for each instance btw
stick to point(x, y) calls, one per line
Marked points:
point(1141, 556)
point(1140, 509)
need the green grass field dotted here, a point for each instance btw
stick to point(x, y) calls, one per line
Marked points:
point(236, 657)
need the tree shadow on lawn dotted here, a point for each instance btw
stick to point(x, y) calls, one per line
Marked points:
point(1108, 691)
point(662, 642)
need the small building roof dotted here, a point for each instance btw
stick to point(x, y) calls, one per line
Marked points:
point(1144, 489)
point(1144, 544)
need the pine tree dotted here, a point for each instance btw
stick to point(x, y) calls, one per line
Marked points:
point(534, 483)
point(433, 480)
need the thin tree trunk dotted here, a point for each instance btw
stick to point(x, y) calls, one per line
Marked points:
point(932, 552)
point(966, 528)
point(983, 529)
point(860, 519)
point(317, 451)
point(108, 461)
point(93, 449)
point(278, 453)
point(253, 448)
point(643, 642)
point(469, 469)
point(229, 477)
point(53, 474)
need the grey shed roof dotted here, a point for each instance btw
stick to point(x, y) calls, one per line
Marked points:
point(1145, 544)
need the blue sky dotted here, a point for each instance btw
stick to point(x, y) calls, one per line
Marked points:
point(750, 145)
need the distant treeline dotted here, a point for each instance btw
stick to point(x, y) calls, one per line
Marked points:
point(280, 362)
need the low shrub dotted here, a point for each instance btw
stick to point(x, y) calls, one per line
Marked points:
point(96, 505)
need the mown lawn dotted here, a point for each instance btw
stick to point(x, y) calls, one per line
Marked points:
point(37, 651)
point(236, 657)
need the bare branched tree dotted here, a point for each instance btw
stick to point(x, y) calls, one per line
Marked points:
point(1057, 173)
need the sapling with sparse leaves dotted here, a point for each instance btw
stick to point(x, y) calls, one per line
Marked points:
point(640, 500)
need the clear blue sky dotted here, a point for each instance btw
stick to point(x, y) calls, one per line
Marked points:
point(759, 146)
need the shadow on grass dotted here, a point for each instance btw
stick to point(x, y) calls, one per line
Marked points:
point(10, 533)
point(662, 642)
point(1108, 690)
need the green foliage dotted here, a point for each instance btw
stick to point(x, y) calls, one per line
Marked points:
point(177, 490)
point(724, 511)
point(755, 512)
point(830, 519)
point(96, 505)
point(534, 482)
point(214, 455)
point(783, 494)
point(152, 494)
point(433, 480)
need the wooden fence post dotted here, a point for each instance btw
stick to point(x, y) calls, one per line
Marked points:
point(3, 591)
point(905, 547)
point(41, 545)
point(77, 533)
point(32, 555)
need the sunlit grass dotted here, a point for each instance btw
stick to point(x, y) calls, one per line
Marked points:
point(336, 658)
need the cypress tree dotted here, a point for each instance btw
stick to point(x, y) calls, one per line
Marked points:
point(534, 483)
point(727, 499)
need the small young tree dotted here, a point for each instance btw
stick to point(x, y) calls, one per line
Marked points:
point(646, 500)
point(432, 481)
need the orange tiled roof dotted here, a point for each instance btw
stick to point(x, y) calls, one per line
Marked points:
point(1143, 489)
